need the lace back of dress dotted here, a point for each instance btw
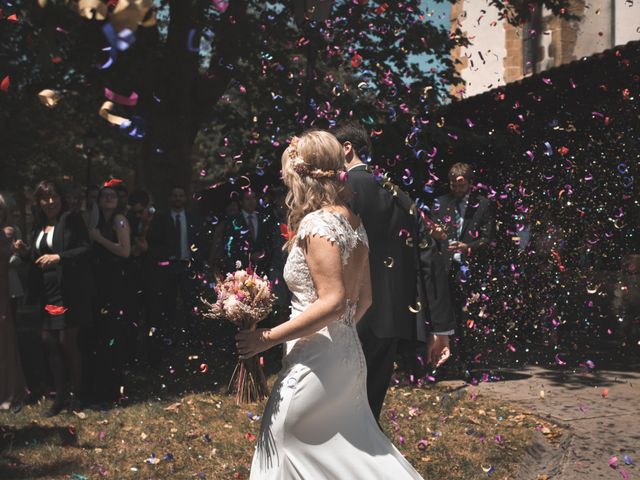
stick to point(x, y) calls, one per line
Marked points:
point(337, 229)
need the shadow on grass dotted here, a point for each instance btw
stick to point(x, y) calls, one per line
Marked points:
point(12, 468)
point(33, 437)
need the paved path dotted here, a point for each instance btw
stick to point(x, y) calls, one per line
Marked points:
point(601, 413)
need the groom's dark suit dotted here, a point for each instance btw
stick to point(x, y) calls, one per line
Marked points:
point(396, 267)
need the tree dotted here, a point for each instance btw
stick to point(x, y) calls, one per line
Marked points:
point(235, 81)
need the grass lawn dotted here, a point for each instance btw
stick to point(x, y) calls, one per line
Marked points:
point(445, 432)
point(181, 424)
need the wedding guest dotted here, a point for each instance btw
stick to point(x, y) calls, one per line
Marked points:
point(123, 195)
point(12, 382)
point(246, 237)
point(174, 254)
point(216, 255)
point(13, 233)
point(90, 212)
point(140, 216)
point(71, 197)
point(468, 218)
point(390, 322)
point(110, 251)
point(60, 281)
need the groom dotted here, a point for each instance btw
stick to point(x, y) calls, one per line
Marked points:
point(395, 270)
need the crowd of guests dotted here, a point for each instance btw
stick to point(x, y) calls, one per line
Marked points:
point(115, 282)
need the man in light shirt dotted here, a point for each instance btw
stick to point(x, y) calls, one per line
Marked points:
point(247, 237)
point(468, 220)
point(174, 246)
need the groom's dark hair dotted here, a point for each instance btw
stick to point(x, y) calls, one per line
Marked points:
point(354, 133)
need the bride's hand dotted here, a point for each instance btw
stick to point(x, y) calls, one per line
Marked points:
point(252, 342)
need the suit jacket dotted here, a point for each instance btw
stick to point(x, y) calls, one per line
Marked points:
point(436, 310)
point(238, 245)
point(477, 225)
point(71, 242)
point(163, 237)
point(392, 262)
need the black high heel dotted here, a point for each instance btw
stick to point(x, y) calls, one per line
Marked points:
point(75, 405)
point(58, 406)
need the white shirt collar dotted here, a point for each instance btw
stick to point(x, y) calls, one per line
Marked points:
point(356, 165)
point(464, 200)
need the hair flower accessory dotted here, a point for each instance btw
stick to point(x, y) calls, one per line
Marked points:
point(303, 169)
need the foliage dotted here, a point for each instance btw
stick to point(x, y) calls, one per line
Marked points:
point(255, 79)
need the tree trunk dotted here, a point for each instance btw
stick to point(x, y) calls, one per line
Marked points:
point(182, 94)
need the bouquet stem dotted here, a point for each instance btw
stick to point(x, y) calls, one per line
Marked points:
point(248, 382)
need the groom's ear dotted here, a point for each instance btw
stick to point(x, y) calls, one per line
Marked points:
point(347, 148)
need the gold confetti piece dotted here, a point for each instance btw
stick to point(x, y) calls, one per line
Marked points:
point(105, 112)
point(129, 14)
point(49, 98)
point(415, 309)
point(388, 262)
point(91, 9)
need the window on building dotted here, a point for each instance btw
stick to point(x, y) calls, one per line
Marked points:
point(532, 30)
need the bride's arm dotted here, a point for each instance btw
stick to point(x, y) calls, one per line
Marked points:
point(325, 266)
point(364, 296)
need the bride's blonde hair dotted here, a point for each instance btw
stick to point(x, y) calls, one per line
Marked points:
point(313, 170)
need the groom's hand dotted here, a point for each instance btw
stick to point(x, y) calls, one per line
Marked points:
point(438, 350)
point(252, 342)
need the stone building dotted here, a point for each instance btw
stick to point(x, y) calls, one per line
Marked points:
point(501, 53)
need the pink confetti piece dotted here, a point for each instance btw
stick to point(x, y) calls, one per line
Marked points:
point(220, 5)
point(129, 101)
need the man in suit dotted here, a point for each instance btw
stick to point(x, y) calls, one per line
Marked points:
point(173, 252)
point(468, 220)
point(246, 237)
point(386, 213)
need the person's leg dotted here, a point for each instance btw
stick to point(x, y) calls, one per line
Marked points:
point(380, 353)
point(73, 357)
point(51, 342)
point(188, 295)
point(172, 288)
point(458, 297)
point(158, 322)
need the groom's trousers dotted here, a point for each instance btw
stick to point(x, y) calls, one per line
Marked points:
point(380, 354)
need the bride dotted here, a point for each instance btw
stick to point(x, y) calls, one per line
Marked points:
point(317, 423)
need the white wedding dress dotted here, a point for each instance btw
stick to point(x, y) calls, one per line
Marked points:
point(317, 423)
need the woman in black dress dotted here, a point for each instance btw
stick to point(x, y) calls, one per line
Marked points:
point(110, 252)
point(60, 281)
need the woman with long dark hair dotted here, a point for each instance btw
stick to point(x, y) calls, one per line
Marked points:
point(60, 281)
point(110, 251)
